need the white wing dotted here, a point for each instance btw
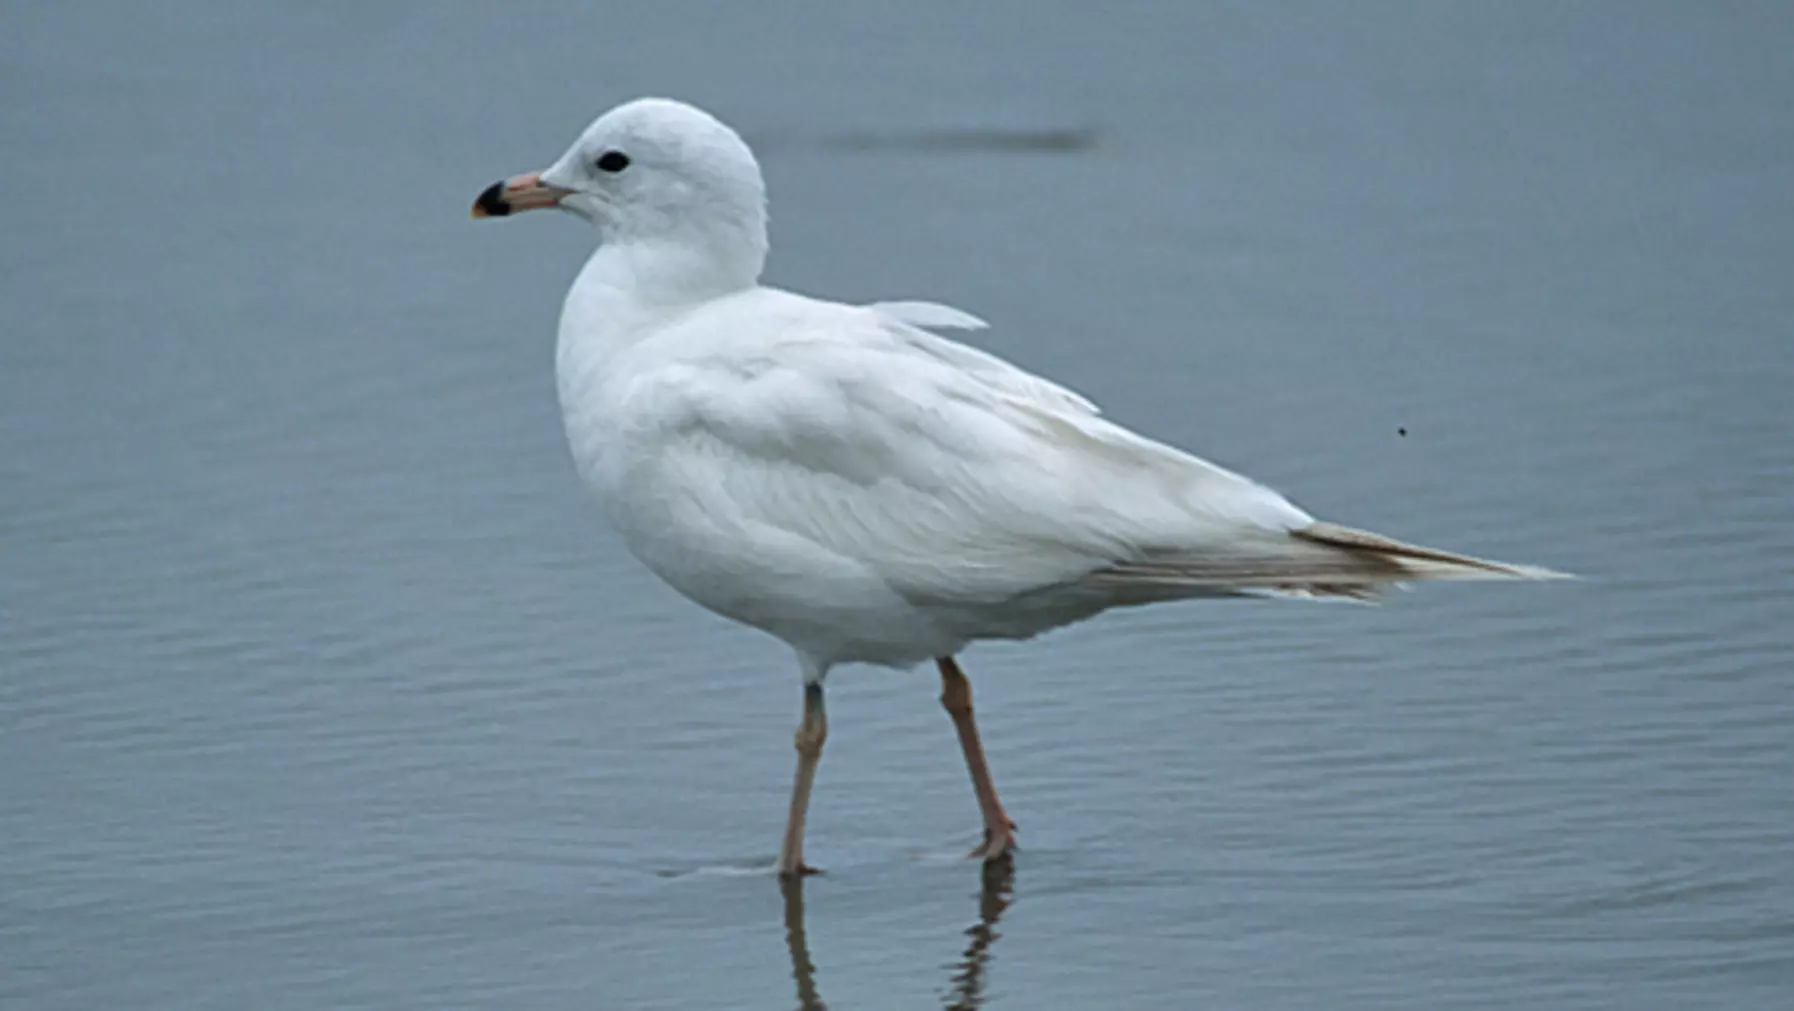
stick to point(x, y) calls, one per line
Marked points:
point(823, 430)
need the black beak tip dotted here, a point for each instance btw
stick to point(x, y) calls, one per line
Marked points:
point(491, 203)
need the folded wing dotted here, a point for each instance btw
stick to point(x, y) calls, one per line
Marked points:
point(957, 477)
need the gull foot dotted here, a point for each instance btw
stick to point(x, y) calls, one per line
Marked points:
point(996, 845)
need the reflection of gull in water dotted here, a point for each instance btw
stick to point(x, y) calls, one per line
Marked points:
point(967, 990)
point(968, 977)
point(802, 969)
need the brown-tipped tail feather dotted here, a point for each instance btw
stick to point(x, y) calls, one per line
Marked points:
point(1421, 563)
point(1319, 560)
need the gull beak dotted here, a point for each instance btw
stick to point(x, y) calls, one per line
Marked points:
point(519, 193)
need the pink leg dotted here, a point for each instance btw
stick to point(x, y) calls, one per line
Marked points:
point(810, 735)
point(956, 698)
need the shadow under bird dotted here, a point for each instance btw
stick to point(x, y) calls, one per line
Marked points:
point(847, 480)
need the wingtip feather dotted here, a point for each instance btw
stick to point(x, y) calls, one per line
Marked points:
point(1422, 562)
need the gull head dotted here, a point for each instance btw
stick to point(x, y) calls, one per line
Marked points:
point(654, 172)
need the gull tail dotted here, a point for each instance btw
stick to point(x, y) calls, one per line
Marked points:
point(1319, 560)
point(1416, 561)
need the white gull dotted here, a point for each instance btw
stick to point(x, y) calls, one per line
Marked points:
point(863, 489)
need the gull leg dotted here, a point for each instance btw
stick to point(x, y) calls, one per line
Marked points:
point(810, 735)
point(956, 698)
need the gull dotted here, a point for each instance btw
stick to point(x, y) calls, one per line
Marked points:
point(858, 486)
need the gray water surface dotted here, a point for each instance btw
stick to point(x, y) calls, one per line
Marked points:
point(323, 686)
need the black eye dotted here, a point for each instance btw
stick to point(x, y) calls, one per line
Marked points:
point(613, 161)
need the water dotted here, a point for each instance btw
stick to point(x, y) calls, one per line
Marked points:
point(321, 684)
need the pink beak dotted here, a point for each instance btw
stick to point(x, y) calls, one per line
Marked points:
point(526, 192)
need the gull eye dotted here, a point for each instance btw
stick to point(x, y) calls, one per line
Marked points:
point(612, 161)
